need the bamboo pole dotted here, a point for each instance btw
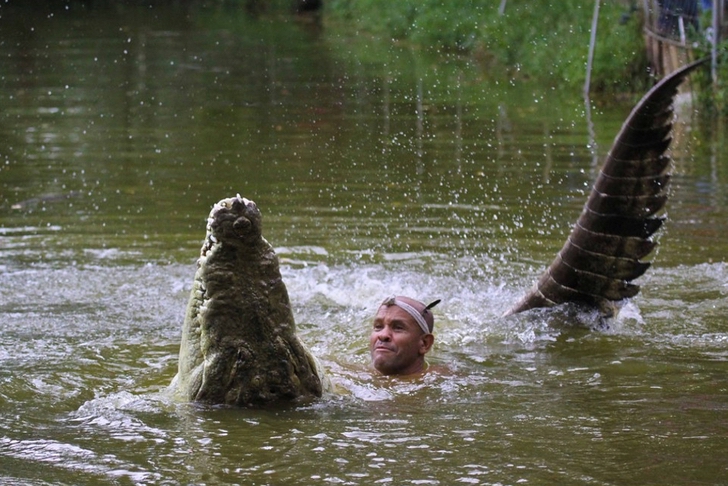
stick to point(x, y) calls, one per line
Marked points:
point(592, 43)
point(502, 8)
point(717, 25)
point(587, 83)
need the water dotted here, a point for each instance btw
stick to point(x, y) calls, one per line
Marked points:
point(379, 170)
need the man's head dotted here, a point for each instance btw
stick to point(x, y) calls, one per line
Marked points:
point(401, 336)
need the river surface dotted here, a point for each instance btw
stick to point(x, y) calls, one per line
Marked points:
point(379, 170)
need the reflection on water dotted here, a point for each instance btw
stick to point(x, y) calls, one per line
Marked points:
point(379, 170)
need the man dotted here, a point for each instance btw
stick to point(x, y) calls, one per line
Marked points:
point(401, 336)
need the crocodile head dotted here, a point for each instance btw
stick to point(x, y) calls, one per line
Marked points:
point(233, 221)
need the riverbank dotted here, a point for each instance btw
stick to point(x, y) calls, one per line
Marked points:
point(545, 42)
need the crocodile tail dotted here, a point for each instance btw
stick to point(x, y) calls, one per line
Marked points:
point(602, 255)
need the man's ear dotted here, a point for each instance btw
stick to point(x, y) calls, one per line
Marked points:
point(426, 343)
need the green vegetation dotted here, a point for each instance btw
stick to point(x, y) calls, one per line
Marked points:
point(712, 97)
point(538, 40)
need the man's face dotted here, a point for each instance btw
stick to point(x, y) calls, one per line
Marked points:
point(397, 344)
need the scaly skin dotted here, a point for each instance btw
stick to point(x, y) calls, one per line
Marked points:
point(239, 343)
point(602, 255)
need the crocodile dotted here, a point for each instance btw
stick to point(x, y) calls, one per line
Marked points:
point(239, 343)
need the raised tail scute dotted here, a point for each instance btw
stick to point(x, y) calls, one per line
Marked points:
point(602, 254)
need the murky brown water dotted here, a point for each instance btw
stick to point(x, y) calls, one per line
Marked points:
point(379, 170)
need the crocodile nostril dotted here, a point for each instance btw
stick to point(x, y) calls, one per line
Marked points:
point(238, 204)
point(241, 224)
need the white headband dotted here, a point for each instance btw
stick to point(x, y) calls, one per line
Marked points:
point(419, 319)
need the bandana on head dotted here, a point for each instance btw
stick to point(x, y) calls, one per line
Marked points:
point(418, 316)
